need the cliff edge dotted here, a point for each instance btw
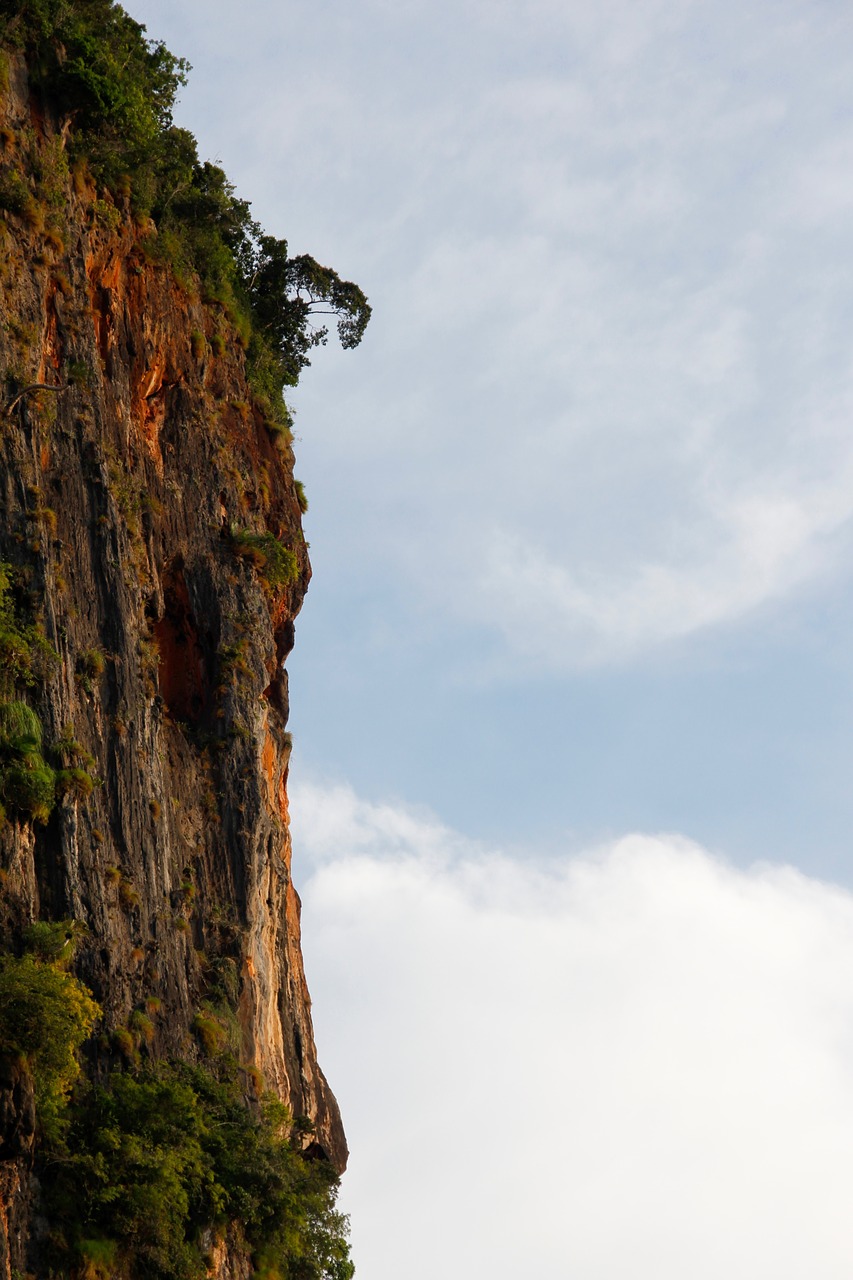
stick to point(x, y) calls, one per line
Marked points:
point(152, 563)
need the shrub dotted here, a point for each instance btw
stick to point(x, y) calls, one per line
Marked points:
point(45, 1015)
point(27, 782)
point(46, 517)
point(14, 192)
point(155, 1157)
point(232, 661)
point(28, 788)
point(76, 783)
point(91, 663)
point(274, 561)
point(107, 214)
point(124, 1043)
point(187, 892)
point(98, 1258)
point(78, 373)
point(51, 941)
point(20, 728)
point(141, 1027)
point(300, 496)
point(211, 1033)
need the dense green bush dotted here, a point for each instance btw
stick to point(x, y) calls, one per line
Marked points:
point(45, 1015)
point(74, 782)
point(29, 786)
point(27, 782)
point(96, 62)
point(153, 1158)
point(274, 561)
point(20, 727)
point(136, 1168)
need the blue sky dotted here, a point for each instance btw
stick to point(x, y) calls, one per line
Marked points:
point(582, 529)
point(580, 504)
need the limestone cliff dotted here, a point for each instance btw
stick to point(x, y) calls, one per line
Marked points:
point(139, 498)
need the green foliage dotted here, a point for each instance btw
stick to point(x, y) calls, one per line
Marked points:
point(50, 941)
point(274, 561)
point(14, 193)
point(45, 1015)
point(286, 293)
point(121, 86)
point(20, 728)
point(211, 1033)
point(153, 1157)
point(26, 657)
point(141, 1027)
point(124, 1043)
point(99, 1259)
point(29, 787)
point(74, 782)
point(249, 273)
point(300, 496)
point(27, 782)
point(50, 166)
point(127, 895)
point(107, 214)
point(91, 664)
point(98, 67)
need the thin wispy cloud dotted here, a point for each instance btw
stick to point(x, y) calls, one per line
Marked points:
point(609, 351)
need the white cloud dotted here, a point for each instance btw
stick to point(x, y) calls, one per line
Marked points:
point(637, 1062)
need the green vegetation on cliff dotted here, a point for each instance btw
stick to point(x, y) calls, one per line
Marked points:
point(142, 1171)
point(156, 1147)
point(29, 784)
point(116, 90)
point(45, 1015)
point(156, 1162)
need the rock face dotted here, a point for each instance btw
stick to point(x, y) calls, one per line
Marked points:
point(131, 504)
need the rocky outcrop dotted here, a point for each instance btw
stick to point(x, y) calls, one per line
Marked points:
point(135, 502)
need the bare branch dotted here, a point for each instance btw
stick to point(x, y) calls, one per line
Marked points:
point(36, 386)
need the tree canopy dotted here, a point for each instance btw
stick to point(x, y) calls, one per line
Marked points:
point(116, 89)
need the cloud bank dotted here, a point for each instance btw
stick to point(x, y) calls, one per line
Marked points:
point(635, 1062)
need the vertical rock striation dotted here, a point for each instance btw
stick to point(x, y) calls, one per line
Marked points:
point(136, 503)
